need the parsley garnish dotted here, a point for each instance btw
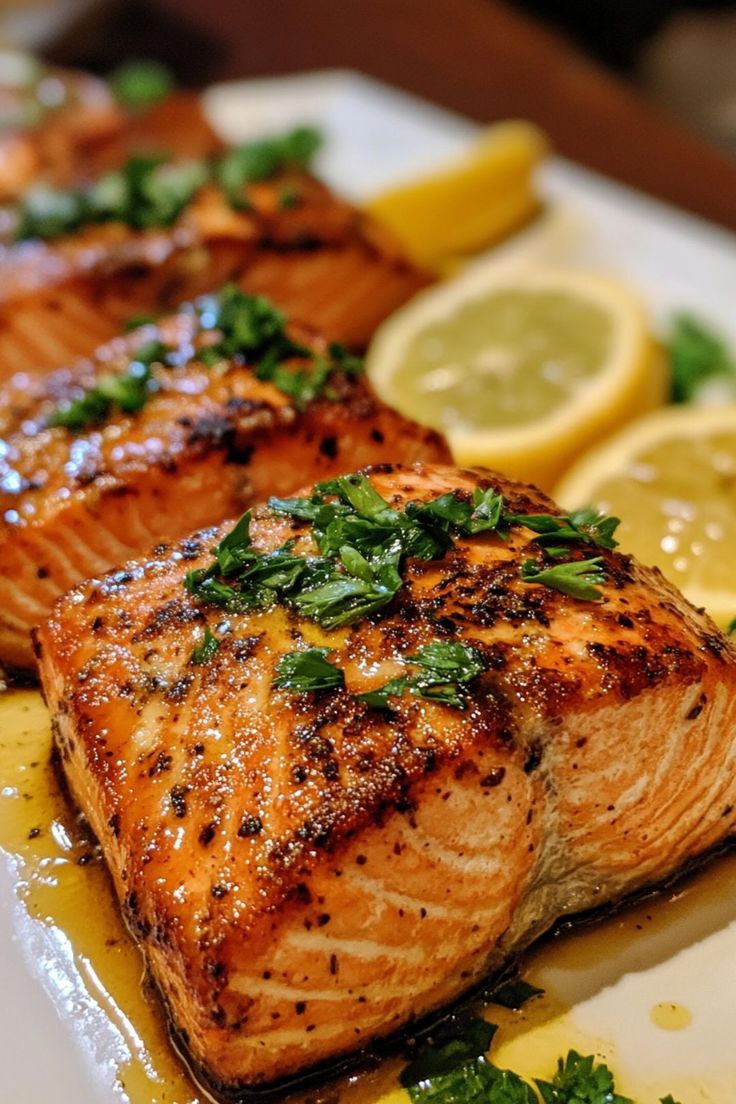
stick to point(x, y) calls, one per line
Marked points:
point(458, 1071)
point(263, 159)
point(246, 328)
point(514, 994)
point(731, 627)
point(455, 1071)
point(586, 526)
point(696, 355)
point(445, 671)
point(127, 393)
point(153, 191)
point(251, 327)
point(577, 579)
point(362, 542)
point(308, 670)
point(204, 652)
point(141, 83)
point(579, 1080)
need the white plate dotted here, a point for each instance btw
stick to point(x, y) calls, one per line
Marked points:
point(57, 1042)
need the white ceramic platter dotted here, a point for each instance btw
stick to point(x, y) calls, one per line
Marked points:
point(59, 1039)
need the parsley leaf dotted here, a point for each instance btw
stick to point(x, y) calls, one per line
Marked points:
point(235, 548)
point(731, 627)
point(141, 83)
point(696, 355)
point(343, 598)
point(153, 191)
point(308, 670)
point(445, 669)
point(577, 579)
point(579, 1080)
point(470, 1039)
point(128, 392)
point(251, 327)
point(669, 1099)
point(456, 1072)
point(263, 159)
point(204, 652)
point(585, 526)
point(483, 512)
point(514, 994)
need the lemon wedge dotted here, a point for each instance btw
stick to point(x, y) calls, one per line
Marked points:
point(470, 203)
point(671, 478)
point(521, 368)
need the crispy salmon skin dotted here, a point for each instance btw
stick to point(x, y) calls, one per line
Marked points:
point(76, 500)
point(308, 870)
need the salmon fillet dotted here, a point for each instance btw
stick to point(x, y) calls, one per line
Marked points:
point(308, 871)
point(64, 128)
point(207, 444)
point(325, 263)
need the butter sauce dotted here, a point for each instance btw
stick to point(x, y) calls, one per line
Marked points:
point(61, 886)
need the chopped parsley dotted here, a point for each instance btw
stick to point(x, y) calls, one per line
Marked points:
point(251, 327)
point(153, 191)
point(457, 1070)
point(514, 994)
point(126, 393)
point(361, 543)
point(731, 630)
point(445, 669)
point(263, 159)
point(205, 651)
point(555, 534)
point(577, 578)
point(233, 326)
point(141, 83)
point(580, 1080)
point(308, 670)
point(697, 355)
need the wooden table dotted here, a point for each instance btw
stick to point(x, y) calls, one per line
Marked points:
point(485, 60)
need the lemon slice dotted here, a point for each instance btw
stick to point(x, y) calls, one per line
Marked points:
point(671, 478)
point(470, 203)
point(520, 368)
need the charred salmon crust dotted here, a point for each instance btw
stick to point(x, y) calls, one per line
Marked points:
point(307, 873)
point(205, 446)
point(328, 265)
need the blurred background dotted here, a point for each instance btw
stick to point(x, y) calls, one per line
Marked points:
point(643, 90)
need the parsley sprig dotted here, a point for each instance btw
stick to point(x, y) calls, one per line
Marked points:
point(697, 355)
point(308, 670)
point(555, 534)
point(252, 328)
point(126, 393)
point(445, 670)
point(457, 1070)
point(205, 651)
point(362, 543)
point(232, 327)
point(576, 578)
point(153, 191)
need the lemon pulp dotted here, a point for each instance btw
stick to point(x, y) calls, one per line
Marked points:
point(677, 501)
point(506, 359)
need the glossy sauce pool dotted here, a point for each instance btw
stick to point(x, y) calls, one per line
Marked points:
point(652, 991)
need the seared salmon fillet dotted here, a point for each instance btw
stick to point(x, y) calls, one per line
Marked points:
point(328, 265)
point(63, 128)
point(314, 851)
point(205, 444)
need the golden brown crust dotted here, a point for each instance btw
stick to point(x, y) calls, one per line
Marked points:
point(205, 446)
point(236, 817)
